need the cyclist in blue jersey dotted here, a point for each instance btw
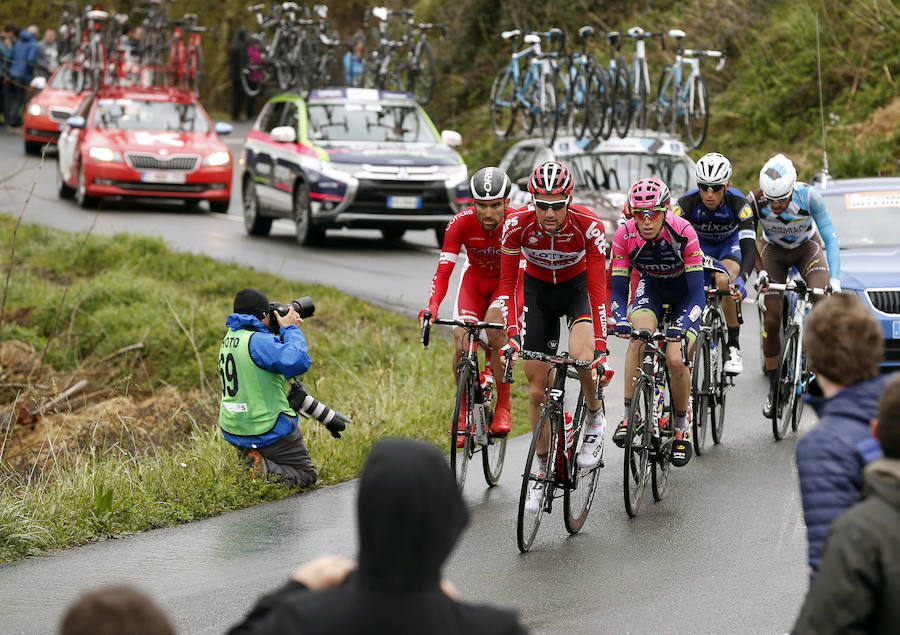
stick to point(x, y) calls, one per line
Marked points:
point(725, 226)
point(796, 232)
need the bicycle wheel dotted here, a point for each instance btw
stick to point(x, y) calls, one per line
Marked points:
point(494, 453)
point(696, 114)
point(528, 521)
point(251, 88)
point(301, 60)
point(623, 108)
point(580, 100)
point(528, 112)
point(701, 387)
point(798, 396)
point(420, 75)
point(637, 445)
point(599, 105)
point(786, 388)
point(661, 462)
point(718, 384)
point(641, 106)
point(195, 68)
point(581, 485)
point(503, 103)
point(564, 84)
point(459, 456)
point(548, 115)
point(666, 98)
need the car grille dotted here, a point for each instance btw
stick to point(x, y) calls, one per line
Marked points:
point(194, 188)
point(182, 162)
point(892, 350)
point(371, 196)
point(60, 114)
point(885, 300)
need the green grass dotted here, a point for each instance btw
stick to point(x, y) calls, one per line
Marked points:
point(84, 297)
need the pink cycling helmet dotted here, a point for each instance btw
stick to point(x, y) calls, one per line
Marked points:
point(648, 193)
point(551, 177)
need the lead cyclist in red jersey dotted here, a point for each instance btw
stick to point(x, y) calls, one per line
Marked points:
point(478, 228)
point(564, 247)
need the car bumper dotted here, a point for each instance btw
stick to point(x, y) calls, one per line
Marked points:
point(40, 129)
point(207, 183)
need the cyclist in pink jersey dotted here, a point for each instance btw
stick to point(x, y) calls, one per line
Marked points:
point(665, 250)
point(478, 228)
point(564, 247)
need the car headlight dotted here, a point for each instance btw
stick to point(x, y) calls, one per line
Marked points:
point(456, 173)
point(104, 154)
point(333, 171)
point(217, 159)
point(35, 110)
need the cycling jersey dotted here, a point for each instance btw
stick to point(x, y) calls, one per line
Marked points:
point(725, 232)
point(798, 222)
point(482, 252)
point(578, 246)
point(673, 260)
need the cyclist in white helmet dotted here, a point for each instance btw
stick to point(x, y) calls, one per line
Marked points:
point(796, 232)
point(725, 227)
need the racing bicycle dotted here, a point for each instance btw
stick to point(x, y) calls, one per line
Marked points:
point(473, 405)
point(563, 477)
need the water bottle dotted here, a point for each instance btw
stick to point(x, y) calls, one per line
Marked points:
point(570, 430)
point(486, 379)
point(660, 402)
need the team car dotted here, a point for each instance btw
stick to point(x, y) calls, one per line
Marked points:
point(144, 142)
point(49, 109)
point(350, 157)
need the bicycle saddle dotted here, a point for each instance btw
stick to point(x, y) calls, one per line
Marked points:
point(532, 38)
point(96, 14)
point(585, 31)
point(676, 34)
point(508, 35)
point(556, 33)
point(635, 31)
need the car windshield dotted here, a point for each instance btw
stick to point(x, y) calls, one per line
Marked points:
point(368, 122)
point(617, 171)
point(137, 114)
point(865, 218)
point(63, 79)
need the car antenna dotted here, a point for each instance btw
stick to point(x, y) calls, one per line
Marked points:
point(821, 108)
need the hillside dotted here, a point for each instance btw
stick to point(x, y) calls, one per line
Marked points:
point(764, 101)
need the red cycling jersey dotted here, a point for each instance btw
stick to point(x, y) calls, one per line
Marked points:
point(482, 251)
point(579, 245)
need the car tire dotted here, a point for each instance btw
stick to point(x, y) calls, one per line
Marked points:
point(393, 233)
point(307, 233)
point(219, 207)
point(33, 148)
point(64, 190)
point(81, 195)
point(254, 222)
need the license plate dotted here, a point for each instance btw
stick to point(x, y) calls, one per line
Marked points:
point(404, 202)
point(162, 177)
point(897, 329)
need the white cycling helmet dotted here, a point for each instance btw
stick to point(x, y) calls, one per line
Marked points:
point(713, 169)
point(777, 177)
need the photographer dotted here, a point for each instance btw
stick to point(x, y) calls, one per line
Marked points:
point(256, 414)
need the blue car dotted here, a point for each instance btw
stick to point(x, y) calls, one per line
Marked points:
point(866, 215)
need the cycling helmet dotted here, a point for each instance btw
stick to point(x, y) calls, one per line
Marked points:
point(777, 177)
point(713, 169)
point(551, 177)
point(489, 184)
point(648, 193)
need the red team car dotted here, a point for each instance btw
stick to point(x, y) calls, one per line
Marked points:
point(48, 110)
point(144, 142)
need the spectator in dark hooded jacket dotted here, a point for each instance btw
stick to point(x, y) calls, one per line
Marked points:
point(858, 584)
point(237, 60)
point(410, 515)
point(844, 345)
point(21, 72)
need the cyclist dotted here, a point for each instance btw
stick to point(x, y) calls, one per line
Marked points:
point(725, 227)
point(479, 229)
point(564, 248)
point(794, 223)
point(665, 250)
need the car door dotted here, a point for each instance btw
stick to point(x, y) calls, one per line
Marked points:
point(68, 144)
point(285, 164)
point(261, 157)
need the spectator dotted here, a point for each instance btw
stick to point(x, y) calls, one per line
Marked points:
point(353, 61)
point(21, 72)
point(844, 345)
point(48, 55)
point(237, 60)
point(7, 41)
point(858, 583)
point(409, 516)
point(113, 611)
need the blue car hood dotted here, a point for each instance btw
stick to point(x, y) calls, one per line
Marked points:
point(870, 267)
point(380, 153)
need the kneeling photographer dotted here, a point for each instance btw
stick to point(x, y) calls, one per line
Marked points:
point(263, 346)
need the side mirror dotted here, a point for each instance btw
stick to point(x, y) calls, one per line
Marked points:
point(76, 122)
point(451, 138)
point(39, 83)
point(523, 182)
point(284, 134)
point(223, 127)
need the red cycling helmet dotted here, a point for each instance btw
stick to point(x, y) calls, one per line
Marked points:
point(551, 177)
point(648, 193)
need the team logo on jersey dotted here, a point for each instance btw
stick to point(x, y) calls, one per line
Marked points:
point(533, 239)
point(695, 313)
point(745, 212)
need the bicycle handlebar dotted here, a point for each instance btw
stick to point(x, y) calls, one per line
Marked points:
point(798, 286)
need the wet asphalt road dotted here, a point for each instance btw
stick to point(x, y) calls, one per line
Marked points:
point(723, 552)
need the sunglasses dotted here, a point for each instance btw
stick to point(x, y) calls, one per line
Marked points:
point(784, 200)
point(555, 205)
point(649, 212)
point(707, 188)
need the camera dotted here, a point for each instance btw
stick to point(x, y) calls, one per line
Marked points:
point(303, 306)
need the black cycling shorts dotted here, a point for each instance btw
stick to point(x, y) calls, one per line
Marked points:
point(545, 303)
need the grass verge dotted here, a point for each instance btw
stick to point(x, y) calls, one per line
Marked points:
point(137, 446)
